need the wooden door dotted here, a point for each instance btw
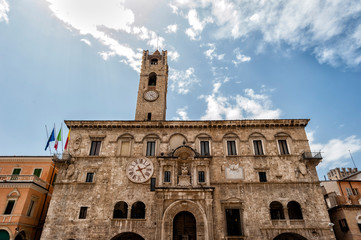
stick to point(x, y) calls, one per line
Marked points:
point(184, 226)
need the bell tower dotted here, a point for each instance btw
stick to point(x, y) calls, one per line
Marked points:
point(153, 83)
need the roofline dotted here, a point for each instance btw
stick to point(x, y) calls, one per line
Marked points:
point(187, 124)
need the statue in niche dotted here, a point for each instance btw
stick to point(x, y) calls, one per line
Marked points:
point(184, 169)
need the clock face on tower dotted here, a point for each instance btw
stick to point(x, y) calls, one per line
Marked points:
point(140, 170)
point(151, 95)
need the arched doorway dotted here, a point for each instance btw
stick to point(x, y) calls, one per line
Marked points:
point(128, 236)
point(184, 226)
point(289, 236)
point(4, 235)
point(21, 236)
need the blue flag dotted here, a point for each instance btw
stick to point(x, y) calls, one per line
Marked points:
point(51, 139)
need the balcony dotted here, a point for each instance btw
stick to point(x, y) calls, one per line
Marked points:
point(23, 179)
point(312, 156)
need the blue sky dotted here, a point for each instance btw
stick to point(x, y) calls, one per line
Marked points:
point(79, 59)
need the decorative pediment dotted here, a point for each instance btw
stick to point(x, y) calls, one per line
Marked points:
point(14, 194)
point(184, 152)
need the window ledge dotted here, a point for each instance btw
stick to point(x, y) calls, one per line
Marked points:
point(129, 219)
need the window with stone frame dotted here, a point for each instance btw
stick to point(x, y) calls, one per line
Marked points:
point(154, 61)
point(231, 148)
point(89, 177)
point(9, 207)
point(16, 171)
point(30, 208)
point(233, 222)
point(83, 212)
point(138, 210)
point(150, 148)
point(201, 177)
point(349, 191)
point(283, 147)
point(152, 81)
point(95, 148)
point(167, 175)
point(258, 149)
point(204, 148)
point(37, 172)
point(276, 211)
point(262, 176)
point(120, 210)
point(294, 210)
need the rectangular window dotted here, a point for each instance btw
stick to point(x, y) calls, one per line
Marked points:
point(16, 171)
point(343, 225)
point(89, 177)
point(37, 172)
point(150, 148)
point(201, 177)
point(152, 184)
point(54, 178)
point(231, 147)
point(95, 148)
point(262, 176)
point(258, 150)
point(30, 209)
point(166, 176)
point(83, 212)
point(204, 148)
point(349, 191)
point(283, 147)
point(233, 220)
point(9, 207)
point(355, 191)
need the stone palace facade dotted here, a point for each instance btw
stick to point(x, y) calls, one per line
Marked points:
point(155, 179)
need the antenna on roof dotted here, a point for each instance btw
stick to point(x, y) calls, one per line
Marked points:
point(352, 158)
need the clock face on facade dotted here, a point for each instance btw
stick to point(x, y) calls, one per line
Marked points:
point(140, 170)
point(151, 95)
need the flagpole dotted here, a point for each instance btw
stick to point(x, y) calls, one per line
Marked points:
point(47, 136)
point(62, 139)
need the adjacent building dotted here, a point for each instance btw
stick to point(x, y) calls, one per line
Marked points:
point(25, 193)
point(155, 179)
point(343, 197)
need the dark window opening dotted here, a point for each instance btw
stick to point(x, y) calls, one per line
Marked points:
point(166, 176)
point(154, 61)
point(138, 210)
point(204, 148)
point(294, 210)
point(262, 176)
point(37, 172)
point(231, 147)
point(9, 207)
point(30, 209)
point(258, 150)
point(355, 191)
point(201, 177)
point(152, 79)
point(89, 177)
point(120, 210)
point(149, 116)
point(283, 147)
point(83, 212)
point(233, 219)
point(359, 226)
point(54, 178)
point(16, 171)
point(349, 191)
point(150, 148)
point(152, 184)
point(95, 148)
point(276, 211)
point(343, 225)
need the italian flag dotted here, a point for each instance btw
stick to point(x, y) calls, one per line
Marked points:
point(67, 139)
point(58, 138)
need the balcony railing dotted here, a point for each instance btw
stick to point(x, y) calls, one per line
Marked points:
point(312, 155)
point(23, 178)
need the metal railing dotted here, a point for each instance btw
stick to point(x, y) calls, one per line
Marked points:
point(312, 155)
point(23, 178)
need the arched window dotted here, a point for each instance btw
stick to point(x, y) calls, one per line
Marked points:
point(154, 61)
point(120, 210)
point(294, 210)
point(276, 211)
point(138, 210)
point(152, 79)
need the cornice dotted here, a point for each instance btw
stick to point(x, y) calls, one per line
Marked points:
point(224, 124)
point(29, 159)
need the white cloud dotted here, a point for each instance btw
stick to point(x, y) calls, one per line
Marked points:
point(172, 28)
point(196, 24)
point(173, 55)
point(182, 81)
point(86, 41)
point(211, 52)
point(331, 29)
point(336, 151)
point(240, 58)
point(106, 55)
point(250, 105)
point(182, 112)
point(4, 9)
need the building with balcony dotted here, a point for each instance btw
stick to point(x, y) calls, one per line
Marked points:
point(155, 179)
point(343, 197)
point(26, 188)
